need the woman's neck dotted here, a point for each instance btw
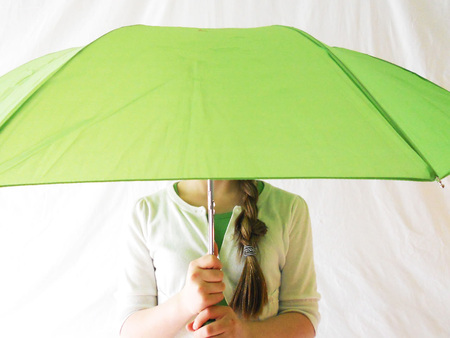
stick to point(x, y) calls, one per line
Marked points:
point(227, 194)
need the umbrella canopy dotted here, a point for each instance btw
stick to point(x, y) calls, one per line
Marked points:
point(156, 103)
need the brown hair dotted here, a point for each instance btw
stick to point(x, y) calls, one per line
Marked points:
point(251, 292)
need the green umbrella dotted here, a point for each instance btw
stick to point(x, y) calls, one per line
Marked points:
point(158, 103)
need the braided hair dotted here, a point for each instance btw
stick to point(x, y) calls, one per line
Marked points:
point(251, 292)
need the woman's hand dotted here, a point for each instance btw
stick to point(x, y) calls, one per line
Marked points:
point(226, 324)
point(204, 286)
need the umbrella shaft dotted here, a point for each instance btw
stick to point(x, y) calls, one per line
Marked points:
point(211, 217)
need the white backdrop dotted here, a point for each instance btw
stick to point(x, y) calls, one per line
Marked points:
point(382, 249)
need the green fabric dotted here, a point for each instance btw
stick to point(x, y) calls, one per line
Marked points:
point(146, 103)
point(260, 186)
point(220, 227)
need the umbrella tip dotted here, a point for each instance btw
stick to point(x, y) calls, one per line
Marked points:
point(440, 182)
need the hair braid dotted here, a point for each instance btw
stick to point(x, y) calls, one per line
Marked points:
point(251, 292)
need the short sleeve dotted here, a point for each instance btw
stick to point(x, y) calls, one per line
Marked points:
point(298, 291)
point(137, 283)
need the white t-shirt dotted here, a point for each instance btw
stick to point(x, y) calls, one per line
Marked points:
point(166, 234)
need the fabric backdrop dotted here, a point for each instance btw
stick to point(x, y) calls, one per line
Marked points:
point(381, 248)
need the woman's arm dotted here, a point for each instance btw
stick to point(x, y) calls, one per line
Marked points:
point(203, 288)
point(291, 324)
point(164, 320)
point(137, 293)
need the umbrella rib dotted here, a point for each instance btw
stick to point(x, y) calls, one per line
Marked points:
point(6, 119)
point(76, 51)
point(369, 96)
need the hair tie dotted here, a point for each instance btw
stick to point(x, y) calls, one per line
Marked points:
point(249, 251)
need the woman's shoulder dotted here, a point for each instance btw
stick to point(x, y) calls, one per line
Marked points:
point(282, 198)
point(154, 201)
point(286, 215)
point(152, 210)
point(156, 196)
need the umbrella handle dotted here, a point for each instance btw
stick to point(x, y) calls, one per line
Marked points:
point(211, 212)
point(211, 225)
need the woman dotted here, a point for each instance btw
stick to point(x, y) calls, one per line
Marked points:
point(264, 269)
